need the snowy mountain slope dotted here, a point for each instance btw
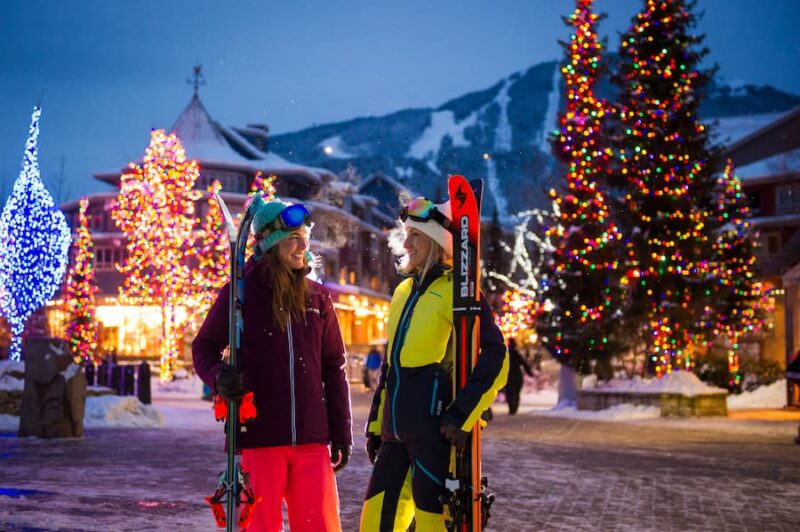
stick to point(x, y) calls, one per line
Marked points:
point(499, 133)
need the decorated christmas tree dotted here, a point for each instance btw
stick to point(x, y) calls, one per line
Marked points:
point(665, 166)
point(737, 294)
point(264, 186)
point(517, 315)
point(155, 210)
point(213, 254)
point(79, 290)
point(34, 244)
point(584, 274)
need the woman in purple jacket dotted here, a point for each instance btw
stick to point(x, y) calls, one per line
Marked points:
point(293, 360)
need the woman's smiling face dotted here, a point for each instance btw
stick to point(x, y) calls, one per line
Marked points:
point(417, 245)
point(292, 250)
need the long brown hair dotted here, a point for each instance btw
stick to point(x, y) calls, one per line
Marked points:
point(289, 288)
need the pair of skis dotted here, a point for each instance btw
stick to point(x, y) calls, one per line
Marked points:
point(467, 504)
point(234, 488)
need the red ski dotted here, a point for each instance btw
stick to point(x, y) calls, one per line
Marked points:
point(467, 508)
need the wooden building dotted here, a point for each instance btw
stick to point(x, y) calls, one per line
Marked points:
point(768, 162)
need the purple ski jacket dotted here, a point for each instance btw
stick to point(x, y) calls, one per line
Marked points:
point(297, 376)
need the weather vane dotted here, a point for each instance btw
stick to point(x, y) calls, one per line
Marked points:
point(197, 78)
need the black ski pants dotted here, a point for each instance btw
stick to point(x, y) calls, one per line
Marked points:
point(407, 482)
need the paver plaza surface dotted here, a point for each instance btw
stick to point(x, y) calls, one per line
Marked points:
point(548, 474)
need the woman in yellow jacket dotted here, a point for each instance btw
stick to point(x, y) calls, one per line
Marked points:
point(414, 418)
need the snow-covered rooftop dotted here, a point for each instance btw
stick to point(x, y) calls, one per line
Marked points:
point(207, 141)
point(734, 128)
point(779, 164)
point(202, 138)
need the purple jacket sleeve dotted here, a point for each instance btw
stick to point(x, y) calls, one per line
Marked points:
point(337, 391)
point(212, 339)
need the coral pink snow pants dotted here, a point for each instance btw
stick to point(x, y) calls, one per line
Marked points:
point(301, 476)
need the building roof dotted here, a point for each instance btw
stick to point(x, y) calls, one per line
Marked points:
point(202, 138)
point(781, 166)
point(732, 129)
point(212, 144)
point(778, 136)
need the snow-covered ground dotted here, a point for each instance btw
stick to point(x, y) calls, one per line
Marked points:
point(544, 400)
point(176, 404)
point(546, 466)
point(678, 382)
point(173, 405)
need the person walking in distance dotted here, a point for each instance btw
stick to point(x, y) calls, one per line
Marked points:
point(293, 361)
point(414, 419)
point(373, 366)
point(516, 365)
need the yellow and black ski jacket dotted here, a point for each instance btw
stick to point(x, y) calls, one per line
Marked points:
point(415, 390)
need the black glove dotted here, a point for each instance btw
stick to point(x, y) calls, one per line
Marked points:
point(454, 435)
point(373, 446)
point(340, 455)
point(228, 383)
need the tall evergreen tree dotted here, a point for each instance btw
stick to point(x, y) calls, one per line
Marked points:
point(666, 166)
point(34, 245)
point(79, 290)
point(213, 254)
point(585, 282)
point(737, 292)
point(155, 210)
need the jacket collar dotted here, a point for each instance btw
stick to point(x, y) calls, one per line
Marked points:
point(436, 271)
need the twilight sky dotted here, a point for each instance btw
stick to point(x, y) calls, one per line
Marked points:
point(107, 71)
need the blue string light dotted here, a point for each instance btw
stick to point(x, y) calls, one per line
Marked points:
point(34, 244)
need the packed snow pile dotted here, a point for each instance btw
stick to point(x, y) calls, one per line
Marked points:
point(541, 398)
point(11, 383)
point(113, 411)
point(11, 373)
point(678, 382)
point(107, 411)
point(770, 396)
point(9, 423)
point(623, 412)
point(182, 386)
point(9, 366)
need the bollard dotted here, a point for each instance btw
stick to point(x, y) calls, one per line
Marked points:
point(116, 378)
point(128, 381)
point(90, 371)
point(143, 383)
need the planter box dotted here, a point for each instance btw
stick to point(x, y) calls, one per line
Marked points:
point(671, 404)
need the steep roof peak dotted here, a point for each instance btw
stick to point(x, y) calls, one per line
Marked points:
point(202, 137)
point(194, 123)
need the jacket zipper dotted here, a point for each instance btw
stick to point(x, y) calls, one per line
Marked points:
point(433, 395)
point(399, 338)
point(291, 381)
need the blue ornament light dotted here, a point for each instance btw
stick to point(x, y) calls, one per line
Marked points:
point(34, 244)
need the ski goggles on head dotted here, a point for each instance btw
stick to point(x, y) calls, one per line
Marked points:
point(422, 210)
point(291, 218)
